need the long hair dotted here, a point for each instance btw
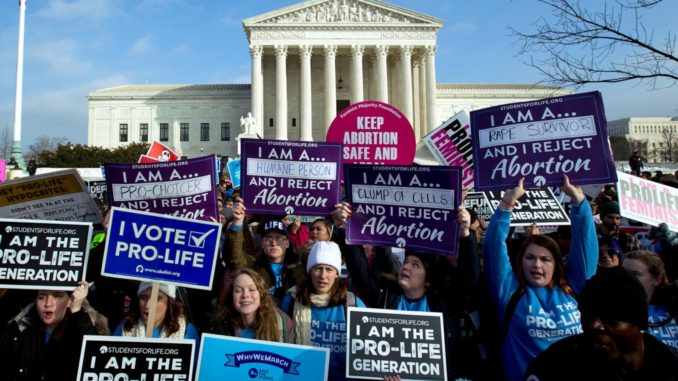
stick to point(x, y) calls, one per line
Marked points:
point(266, 318)
point(559, 279)
point(337, 292)
point(327, 224)
point(655, 266)
point(175, 311)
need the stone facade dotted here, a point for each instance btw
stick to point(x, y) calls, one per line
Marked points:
point(656, 138)
point(309, 60)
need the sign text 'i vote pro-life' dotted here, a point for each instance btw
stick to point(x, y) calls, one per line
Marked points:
point(542, 140)
point(155, 247)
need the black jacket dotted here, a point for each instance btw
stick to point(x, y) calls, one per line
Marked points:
point(24, 356)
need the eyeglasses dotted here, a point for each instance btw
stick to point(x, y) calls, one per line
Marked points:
point(279, 239)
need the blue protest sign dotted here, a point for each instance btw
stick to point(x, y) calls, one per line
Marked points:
point(234, 358)
point(234, 171)
point(155, 247)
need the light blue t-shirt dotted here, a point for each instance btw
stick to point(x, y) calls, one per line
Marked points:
point(667, 333)
point(247, 333)
point(277, 269)
point(420, 304)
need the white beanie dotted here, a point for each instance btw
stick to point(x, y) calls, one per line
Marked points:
point(324, 253)
point(168, 289)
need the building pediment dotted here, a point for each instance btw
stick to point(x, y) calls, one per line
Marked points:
point(346, 13)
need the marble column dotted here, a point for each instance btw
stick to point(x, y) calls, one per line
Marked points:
point(256, 51)
point(416, 104)
point(423, 127)
point(406, 70)
point(431, 87)
point(330, 85)
point(382, 73)
point(357, 73)
point(305, 52)
point(281, 92)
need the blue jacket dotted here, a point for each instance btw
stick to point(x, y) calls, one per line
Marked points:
point(542, 316)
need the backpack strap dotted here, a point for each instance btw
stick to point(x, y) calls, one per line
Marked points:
point(510, 309)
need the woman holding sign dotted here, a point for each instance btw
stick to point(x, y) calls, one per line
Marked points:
point(249, 311)
point(414, 287)
point(536, 298)
point(318, 307)
point(170, 319)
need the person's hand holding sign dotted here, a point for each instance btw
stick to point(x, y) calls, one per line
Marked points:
point(511, 196)
point(574, 191)
point(238, 212)
point(341, 214)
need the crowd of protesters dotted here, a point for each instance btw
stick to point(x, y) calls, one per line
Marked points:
point(506, 298)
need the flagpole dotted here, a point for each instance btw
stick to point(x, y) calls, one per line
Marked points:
point(17, 151)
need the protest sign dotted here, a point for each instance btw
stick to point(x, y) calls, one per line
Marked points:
point(408, 343)
point(647, 201)
point(3, 167)
point(112, 358)
point(160, 152)
point(450, 144)
point(536, 205)
point(155, 247)
point(478, 202)
point(56, 196)
point(373, 132)
point(233, 358)
point(183, 188)
point(542, 140)
point(408, 207)
point(234, 172)
point(97, 189)
point(286, 177)
point(45, 255)
point(145, 159)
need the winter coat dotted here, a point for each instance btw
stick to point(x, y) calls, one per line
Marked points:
point(24, 355)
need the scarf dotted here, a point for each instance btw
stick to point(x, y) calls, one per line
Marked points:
point(139, 330)
point(302, 315)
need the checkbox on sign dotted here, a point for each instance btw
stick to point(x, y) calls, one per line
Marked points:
point(197, 239)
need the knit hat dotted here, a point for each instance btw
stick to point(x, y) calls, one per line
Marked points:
point(324, 253)
point(274, 225)
point(609, 208)
point(614, 294)
point(168, 289)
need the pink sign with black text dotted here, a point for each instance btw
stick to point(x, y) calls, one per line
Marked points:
point(373, 132)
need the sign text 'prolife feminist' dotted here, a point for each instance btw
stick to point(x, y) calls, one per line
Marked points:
point(647, 201)
point(407, 343)
point(183, 188)
point(43, 254)
point(542, 140)
point(450, 144)
point(409, 206)
point(373, 132)
point(287, 177)
point(156, 247)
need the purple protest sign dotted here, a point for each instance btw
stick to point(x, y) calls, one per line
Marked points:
point(542, 140)
point(404, 206)
point(286, 177)
point(183, 188)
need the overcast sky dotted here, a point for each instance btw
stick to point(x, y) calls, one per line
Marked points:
point(73, 47)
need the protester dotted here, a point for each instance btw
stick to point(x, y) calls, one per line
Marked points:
point(536, 302)
point(296, 231)
point(170, 316)
point(662, 295)
point(32, 166)
point(318, 306)
point(249, 311)
point(609, 254)
point(279, 266)
point(418, 287)
point(636, 163)
point(614, 345)
point(609, 229)
point(43, 341)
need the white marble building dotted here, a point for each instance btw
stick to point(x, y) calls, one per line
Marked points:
point(652, 136)
point(309, 61)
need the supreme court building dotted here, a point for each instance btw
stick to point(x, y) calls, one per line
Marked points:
point(309, 61)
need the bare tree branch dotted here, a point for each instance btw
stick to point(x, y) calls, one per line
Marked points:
point(584, 46)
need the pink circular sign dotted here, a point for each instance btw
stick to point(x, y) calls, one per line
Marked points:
point(373, 132)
